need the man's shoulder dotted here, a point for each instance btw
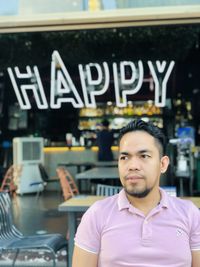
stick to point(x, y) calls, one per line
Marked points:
point(180, 200)
point(182, 204)
point(106, 203)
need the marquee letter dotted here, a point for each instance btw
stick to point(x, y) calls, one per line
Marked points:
point(127, 85)
point(160, 84)
point(88, 82)
point(61, 83)
point(21, 90)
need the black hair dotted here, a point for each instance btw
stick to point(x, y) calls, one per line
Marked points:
point(150, 128)
point(105, 123)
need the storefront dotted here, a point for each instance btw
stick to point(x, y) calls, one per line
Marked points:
point(62, 73)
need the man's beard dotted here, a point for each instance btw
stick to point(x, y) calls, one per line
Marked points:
point(135, 193)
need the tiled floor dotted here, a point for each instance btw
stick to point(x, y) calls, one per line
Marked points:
point(34, 215)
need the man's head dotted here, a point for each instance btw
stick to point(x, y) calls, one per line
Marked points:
point(140, 125)
point(105, 123)
point(141, 160)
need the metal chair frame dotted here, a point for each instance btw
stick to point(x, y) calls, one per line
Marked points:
point(107, 190)
point(11, 239)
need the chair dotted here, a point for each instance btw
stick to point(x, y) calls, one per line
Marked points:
point(8, 184)
point(171, 190)
point(107, 190)
point(67, 183)
point(12, 240)
point(45, 176)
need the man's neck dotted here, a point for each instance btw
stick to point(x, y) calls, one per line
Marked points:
point(146, 204)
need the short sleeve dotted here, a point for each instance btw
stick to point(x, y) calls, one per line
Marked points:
point(88, 232)
point(195, 228)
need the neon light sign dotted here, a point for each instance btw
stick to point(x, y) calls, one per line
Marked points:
point(63, 90)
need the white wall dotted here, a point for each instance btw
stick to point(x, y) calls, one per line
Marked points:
point(49, 6)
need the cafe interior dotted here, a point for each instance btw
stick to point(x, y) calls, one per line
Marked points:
point(60, 77)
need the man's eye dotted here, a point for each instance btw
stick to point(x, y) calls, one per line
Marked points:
point(123, 157)
point(145, 156)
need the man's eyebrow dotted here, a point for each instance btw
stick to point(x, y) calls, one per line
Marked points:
point(144, 151)
point(124, 153)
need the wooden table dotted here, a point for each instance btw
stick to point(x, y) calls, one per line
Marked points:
point(72, 207)
point(80, 204)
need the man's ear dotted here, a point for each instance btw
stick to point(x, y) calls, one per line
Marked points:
point(164, 164)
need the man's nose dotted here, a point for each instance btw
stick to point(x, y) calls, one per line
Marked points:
point(134, 164)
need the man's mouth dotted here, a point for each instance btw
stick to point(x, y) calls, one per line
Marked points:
point(133, 178)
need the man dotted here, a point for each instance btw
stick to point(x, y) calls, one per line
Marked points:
point(142, 225)
point(104, 142)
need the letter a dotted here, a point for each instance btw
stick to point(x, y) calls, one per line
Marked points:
point(62, 84)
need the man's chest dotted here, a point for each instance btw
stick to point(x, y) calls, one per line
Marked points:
point(140, 241)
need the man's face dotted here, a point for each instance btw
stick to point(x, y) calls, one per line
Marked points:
point(140, 164)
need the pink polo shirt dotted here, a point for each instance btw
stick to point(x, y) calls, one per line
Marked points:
point(124, 237)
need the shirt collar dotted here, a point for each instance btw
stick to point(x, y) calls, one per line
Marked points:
point(164, 202)
point(123, 202)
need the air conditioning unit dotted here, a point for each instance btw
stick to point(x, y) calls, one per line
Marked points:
point(27, 155)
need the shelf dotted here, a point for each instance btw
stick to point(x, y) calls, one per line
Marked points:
point(119, 116)
point(138, 108)
point(90, 119)
point(116, 123)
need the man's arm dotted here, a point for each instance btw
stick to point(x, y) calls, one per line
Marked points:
point(196, 258)
point(83, 258)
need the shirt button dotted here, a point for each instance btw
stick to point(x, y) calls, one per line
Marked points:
point(145, 221)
